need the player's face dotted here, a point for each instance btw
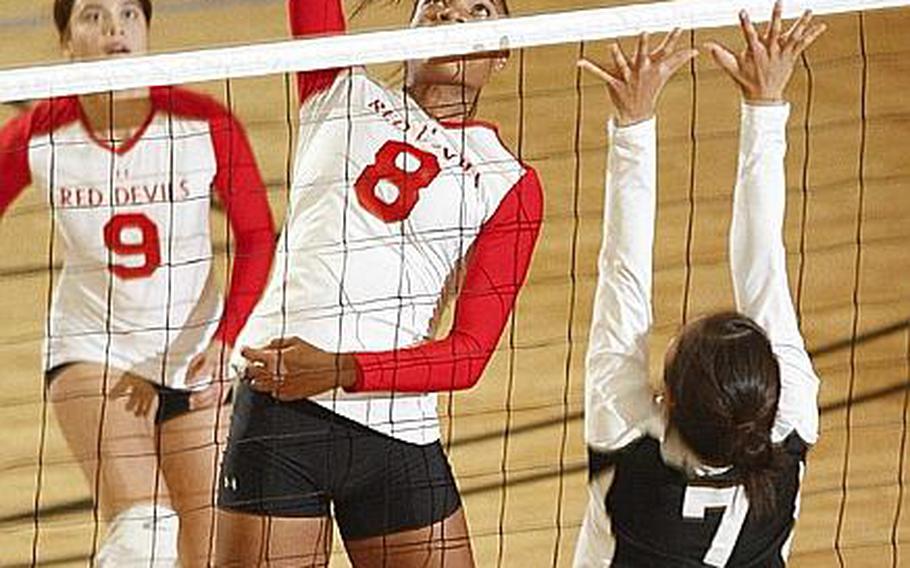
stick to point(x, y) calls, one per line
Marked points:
point(473, 72)
point(102, 29)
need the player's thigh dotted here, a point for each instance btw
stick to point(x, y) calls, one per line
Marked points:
point(106, 438)
point(404, 509)
point(246, 540)
point(190, 448)
point(446, 543)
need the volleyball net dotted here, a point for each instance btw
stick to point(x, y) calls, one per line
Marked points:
point(515, 440)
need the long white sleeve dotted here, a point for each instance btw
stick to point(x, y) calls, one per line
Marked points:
point(759, 265)
point(619, 404)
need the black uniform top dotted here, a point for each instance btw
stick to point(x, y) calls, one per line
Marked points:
point(662, 517)
point(664, 508)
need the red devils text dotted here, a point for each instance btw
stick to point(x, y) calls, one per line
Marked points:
point(120, 195)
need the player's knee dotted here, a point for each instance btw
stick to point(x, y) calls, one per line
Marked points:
point(143, 535)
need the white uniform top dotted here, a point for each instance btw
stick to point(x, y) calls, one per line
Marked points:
point(619, 404)
point(385, 204)
point(136, 290)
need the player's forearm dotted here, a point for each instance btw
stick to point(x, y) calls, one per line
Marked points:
point(15, 174)
point(312, 18)
point(622, 305)
point(757, 254)
point(249, 275)
point(495, 272)
point(759, 264)
point(617, 394)
point(315, 17)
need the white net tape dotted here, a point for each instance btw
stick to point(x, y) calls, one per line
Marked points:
point(398, 45)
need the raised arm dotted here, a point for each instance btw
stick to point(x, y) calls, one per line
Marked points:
point(619, 404)
point(757, 255)
point(314, 18)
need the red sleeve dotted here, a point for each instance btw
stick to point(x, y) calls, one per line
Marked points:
point(310, 18)
point(496, 270)
point(15, 174)
point(240, 188)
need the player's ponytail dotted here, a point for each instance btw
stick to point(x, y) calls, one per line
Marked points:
point(756, 459)
point(723, 387)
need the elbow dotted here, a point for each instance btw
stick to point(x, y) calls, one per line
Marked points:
point(468, 367)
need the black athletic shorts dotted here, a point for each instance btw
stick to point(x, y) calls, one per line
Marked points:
point(171, 402)
point(294, 459)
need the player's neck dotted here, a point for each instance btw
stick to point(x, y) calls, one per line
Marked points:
point(116, 116)
point(446, 102)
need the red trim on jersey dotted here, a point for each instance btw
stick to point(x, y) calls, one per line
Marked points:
point(240, 188)
point(309, 18)
point(496, 269)
point(469, 122)
point(126, 146)
point(15, 137)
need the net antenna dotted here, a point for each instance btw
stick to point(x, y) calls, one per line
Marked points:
point(398, 45)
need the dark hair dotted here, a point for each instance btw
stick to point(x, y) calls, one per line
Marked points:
point(364, 3)
point(724, 386)
point(63, 10)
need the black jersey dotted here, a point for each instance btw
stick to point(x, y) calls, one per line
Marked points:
point(644, 512)
point(663, 518)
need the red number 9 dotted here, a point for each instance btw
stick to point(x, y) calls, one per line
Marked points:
point(149, 246)
point(408, 183)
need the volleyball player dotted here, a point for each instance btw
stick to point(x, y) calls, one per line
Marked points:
point(709, 474)
point(136, 312)
point(397, 192)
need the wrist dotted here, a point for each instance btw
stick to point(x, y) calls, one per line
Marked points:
point(764, 99)
point(623, 121)
point(349, 373)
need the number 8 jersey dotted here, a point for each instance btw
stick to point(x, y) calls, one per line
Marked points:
point(387, 204)
point(136, 290)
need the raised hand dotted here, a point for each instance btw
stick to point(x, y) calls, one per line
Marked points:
point(292, 369)
point(763, 68)
point(635, 84)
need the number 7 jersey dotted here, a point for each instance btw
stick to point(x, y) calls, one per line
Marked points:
point(136, 291)
point(386, 206)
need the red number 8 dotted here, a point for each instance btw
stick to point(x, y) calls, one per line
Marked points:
point(408, 183)
point(149, 246)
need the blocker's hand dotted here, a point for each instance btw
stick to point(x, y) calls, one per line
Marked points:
point(634, 84)
point(292, 369)
point(764, 67)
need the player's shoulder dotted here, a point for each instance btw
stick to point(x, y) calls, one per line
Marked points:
point(794, 446)
point(188, 104)
point(42, 118)
point(643, 447)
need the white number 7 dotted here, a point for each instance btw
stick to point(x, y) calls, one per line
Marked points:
point(736, 506)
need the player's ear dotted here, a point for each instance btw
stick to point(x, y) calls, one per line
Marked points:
point(66, 45)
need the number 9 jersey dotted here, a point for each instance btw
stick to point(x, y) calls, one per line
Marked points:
point(136, 290)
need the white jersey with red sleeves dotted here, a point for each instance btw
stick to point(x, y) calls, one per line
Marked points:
point(385, 206)
point(137, 290)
